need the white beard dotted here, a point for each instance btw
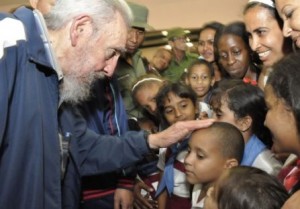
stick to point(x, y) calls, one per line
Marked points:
point(73, 90)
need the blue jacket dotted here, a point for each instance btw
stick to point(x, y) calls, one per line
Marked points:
point(105, 114)
point(30, 174)
point(29, 145)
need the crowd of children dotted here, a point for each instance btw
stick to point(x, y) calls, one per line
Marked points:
point(246, 80)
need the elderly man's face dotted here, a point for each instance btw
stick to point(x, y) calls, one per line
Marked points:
point(43, 6)
point(91, 57)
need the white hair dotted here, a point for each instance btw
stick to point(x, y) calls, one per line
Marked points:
point(101, 11)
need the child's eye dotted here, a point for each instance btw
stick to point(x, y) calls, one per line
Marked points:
point(200, 156)
point(168, 110)
point(184, 105)
point(204, 77)
point(194, 77)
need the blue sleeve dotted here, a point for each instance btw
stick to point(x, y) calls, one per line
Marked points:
point(94, 154)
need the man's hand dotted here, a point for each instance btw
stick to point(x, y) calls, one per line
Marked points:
point(176, 132)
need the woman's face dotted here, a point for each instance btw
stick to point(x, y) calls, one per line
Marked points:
point(234, 55)
point(206, 44)
point(265, 35)
point(289, 11)
point(282, 123)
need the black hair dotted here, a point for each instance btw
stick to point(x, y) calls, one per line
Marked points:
point(284, 79)
point(178, 89)
point(246, 187)
point(272, 11)
point(201, 62)
point(244, 100)
point(230, 139)
point(214, 25)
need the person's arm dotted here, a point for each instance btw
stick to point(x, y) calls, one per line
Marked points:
point(95, 154)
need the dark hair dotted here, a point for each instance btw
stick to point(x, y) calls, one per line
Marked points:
point(285, 81)
point(178, 89)
point(244, 99)
point(272, 11)
point(201, 62)
point(144, 81)
point(246, 187)
point(238, 29)
point(211, 25)
point(230, 139)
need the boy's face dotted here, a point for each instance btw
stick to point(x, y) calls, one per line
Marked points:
point(178, 109)
point(200, 80)
point(204, 162)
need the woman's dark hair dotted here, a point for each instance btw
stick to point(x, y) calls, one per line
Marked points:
point(246, 187)
point(285, 81)
point(212, 25)
point(272, 11)
point(238, 29)
point(244, 100)
point(178, 89)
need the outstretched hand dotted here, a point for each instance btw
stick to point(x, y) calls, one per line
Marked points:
point(176, 132)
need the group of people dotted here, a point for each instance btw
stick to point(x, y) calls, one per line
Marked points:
point(87, 122)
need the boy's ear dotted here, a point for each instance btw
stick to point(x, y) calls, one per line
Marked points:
point(245, 123)
point(231, 163)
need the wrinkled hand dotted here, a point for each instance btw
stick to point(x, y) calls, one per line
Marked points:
point(123, 199)
point(140, 201)
point(176, 132)
point(293, 202)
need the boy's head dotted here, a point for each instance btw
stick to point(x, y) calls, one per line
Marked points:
point(211, 150)
point(246, 187)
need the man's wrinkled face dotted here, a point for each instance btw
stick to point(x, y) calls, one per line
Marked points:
point(95, 56)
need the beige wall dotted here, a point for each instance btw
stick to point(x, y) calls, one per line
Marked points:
point(185, 13)
point(191, 13)
point(165, 14)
